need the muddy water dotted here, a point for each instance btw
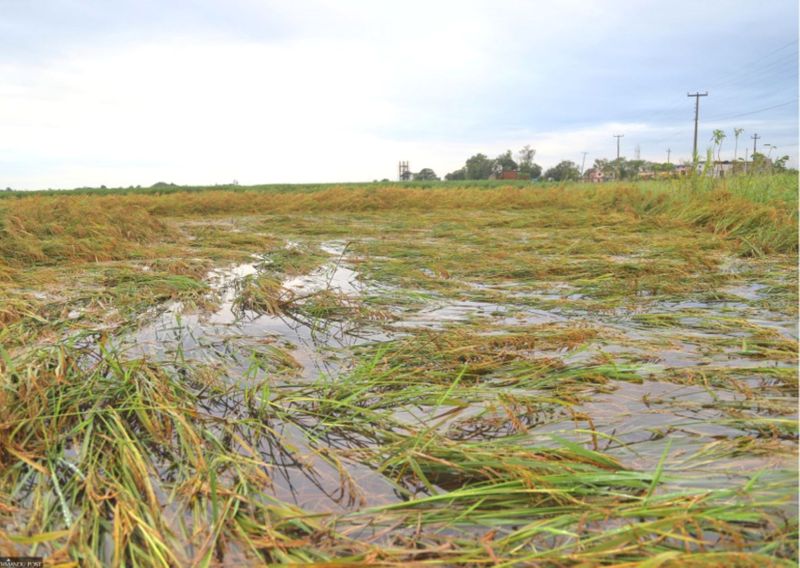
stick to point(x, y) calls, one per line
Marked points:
point(229, 336)
point(712, 433)
point(633, 421)
point(636, 420)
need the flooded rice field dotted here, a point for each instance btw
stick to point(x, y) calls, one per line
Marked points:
point(385, 388)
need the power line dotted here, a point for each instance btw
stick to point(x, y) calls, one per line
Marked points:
point(668, 138)
point(742, 101)
point(781, 48)
point(722, 117)
point(761, 80)
point(764, 70)
point(742, 70)
point(744, 73)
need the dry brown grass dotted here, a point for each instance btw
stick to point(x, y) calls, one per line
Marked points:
point(57, 228)
point(46, 228)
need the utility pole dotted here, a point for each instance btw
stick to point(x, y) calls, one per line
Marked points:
point(638, 152)
point(696, 118)
point(583, 163)
point(669, 151)
point(618, 136)
point(755, 138)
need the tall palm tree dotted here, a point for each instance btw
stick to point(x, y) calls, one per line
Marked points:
point(717, 137)
point(736, 133)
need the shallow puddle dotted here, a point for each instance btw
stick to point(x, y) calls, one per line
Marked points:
point(643, 423)
point(638, 422)
point(230, 336)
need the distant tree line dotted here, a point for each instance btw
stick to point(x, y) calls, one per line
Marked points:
point(480, 166)
point(426, 174)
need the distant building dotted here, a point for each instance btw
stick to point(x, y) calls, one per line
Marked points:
point(506, 174)
point(594, 175)
point(727, 168)
point(717, 169)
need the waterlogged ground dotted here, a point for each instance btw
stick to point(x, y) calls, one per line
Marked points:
point(450, 387)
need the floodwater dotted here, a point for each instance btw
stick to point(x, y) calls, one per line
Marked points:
point(229, 337)
point(638, 422)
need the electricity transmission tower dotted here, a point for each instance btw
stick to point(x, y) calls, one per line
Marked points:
point(403, 171)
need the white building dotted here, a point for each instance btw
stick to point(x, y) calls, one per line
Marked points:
point(726, 168)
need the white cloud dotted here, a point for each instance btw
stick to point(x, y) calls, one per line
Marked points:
point(341, 92)
point(195, 110)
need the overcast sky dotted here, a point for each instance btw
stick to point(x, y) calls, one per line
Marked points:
point(134, 92)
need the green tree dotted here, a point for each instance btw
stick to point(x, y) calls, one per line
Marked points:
point(623, 168)
point(780, 163)
point(505, 163)
point(525, 157)
point(760, 163)
point(632, 168)
point(479, 167)
point(527, 168)
point(534, 171)
point(426, 174)
point(563, 171)
point(717, 137)
point(459, 174)
point(736, 133)
point(603, 165)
